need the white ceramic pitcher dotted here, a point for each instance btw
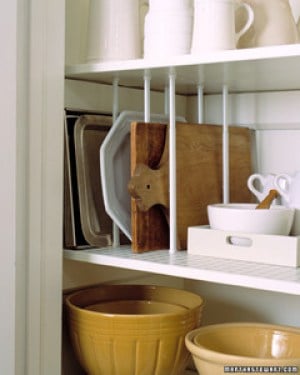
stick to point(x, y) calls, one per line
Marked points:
point(168, 28)
point(295, 6)
point(274, 24)
point(289, 188)
point(114, 30)
point(214, 24)
point(260, 185)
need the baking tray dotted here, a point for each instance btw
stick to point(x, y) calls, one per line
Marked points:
point(72, 234)
point(89, 133)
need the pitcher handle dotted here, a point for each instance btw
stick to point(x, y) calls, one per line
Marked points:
point(251, 185)
point(143, 10)
point(283, 189)
point(249, 22)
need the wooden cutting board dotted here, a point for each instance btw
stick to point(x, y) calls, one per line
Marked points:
point(199, 178)
point(149, 230)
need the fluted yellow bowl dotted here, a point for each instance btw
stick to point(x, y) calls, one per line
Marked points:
point(245, 347)
point(132, 329)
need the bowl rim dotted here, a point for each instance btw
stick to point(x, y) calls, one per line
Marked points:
point(223, 358)
point(248, 206)
point(187, 311)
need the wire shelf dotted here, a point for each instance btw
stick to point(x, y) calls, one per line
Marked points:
point(196, 267)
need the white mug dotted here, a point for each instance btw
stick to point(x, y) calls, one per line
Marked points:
point(260, 185)
point(168, 28)
point(214, 24)
point(289, 188)
point(162, 5)
point(114, 30)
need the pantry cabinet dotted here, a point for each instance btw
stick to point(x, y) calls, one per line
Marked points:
point(257, 88)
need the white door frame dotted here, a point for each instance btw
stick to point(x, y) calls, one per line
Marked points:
point(45, 186)
point(31, 166)
point(8, 95)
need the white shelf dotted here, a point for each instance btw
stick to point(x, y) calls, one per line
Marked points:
point(257, 69)
point(216, 270)
point(261, 69)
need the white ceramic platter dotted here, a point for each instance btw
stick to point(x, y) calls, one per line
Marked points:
point(115, 167)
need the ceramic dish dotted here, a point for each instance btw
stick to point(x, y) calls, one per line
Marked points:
point(115, 167)
point(239, 217)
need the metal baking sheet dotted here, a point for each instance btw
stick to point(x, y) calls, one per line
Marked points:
point(89, 133)
point(73, 236)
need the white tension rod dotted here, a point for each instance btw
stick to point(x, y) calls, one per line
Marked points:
point(172, 167)
point(147, 79)
point(225, 146)
point(116, 230)
point(200, 103)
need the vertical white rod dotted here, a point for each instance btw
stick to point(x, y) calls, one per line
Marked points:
point(147, 80)
point(115, 109)
point(200, 103)
point(225, 146)
point(166, 109)
point(116, 230)
point(172, 166)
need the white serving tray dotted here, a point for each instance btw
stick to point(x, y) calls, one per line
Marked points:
point(260, 248)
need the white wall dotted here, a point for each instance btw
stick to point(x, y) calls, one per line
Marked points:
point(224, 303)
point(275, 116)
point(95, 97)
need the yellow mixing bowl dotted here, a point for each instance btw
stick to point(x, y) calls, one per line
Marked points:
point(132, 329)
point(245, 347)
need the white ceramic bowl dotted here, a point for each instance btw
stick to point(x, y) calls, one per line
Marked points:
point(238, 217)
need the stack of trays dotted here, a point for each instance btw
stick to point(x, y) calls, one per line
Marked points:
point(86, 223)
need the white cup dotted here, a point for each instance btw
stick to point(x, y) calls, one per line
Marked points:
point(289, 188)
point(114, 30)
point(162, 5)
point(260, 185)
point(214, 24)
point(168, 28)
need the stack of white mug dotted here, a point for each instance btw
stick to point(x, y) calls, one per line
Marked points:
point(180, 27)
point(119, 29)
point(288, 186)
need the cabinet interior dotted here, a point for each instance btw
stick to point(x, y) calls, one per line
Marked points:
point(264, 94)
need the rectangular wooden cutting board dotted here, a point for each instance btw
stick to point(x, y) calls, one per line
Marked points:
point(149, 230)
point(199, 177)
